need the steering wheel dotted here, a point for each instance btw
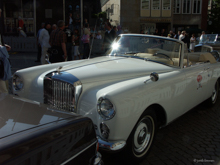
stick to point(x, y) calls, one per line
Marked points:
point(158, 54)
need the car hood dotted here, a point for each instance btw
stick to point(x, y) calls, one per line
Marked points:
point(109, 68)
point(18, 115)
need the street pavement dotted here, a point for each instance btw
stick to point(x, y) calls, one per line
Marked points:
point(194, 138)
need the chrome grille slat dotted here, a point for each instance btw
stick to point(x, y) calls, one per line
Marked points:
point(59, 94)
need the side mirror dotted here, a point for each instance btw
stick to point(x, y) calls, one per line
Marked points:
point(153, 77)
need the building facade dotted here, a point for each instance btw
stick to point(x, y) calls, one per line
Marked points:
point(148, 15)
point(34, 12)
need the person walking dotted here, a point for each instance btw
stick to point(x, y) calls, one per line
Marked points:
point(86, 40)
point(58, 43)
point(70, 21)
point(110, 35)
point(38, 44)
point(76, 44)
point(44, 41)
point(192, 43)
point(5, 67)
point(69, 43)
point(177, 35)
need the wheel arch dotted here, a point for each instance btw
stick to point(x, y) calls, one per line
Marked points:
point(160, 114)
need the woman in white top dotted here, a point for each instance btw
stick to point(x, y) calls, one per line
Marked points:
point(192, 42)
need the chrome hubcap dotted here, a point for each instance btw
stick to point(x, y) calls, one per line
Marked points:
point(143, 134)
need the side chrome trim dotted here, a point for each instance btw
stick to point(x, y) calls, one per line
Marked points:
point(78, 153)
point(111, 146)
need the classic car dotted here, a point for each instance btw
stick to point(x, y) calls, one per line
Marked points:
point(31, 133)
point(143, 83)
point(209, 43)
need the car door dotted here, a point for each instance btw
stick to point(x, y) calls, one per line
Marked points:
point(197, 78)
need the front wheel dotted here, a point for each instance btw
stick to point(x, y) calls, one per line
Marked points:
point(142, 136)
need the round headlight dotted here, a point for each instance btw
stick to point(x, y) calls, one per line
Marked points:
point(106, 109)
point(17, 83)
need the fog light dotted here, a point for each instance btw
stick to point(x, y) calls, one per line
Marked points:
point(104, 130)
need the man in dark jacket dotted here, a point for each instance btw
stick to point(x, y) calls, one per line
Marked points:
point(110, 35)
point(58, 43)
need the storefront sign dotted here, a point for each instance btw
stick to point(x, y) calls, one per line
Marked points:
point(155, 20)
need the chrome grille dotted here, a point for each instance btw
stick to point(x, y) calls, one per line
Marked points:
point(59, 94)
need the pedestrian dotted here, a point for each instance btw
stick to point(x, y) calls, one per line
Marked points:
point(70, 22)
point(156, 32)
point(203, 38)
point(44, 41)
point(182, 36)
point(177, 35)
point(115, 29)
point(54, 27)
point(110, 35)
point(171, 34)
point(58, 43)
point(20, 22)
point(5, 67)
point(86, 40)
point(120, 31)
point(192, 42)
point(76, 44)
point(86, 24)
point(99, 36)
point(69, 43)
point(163, 33)
point(77, 21)
point(38, 44)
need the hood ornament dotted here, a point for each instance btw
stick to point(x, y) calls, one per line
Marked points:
point(59, 69)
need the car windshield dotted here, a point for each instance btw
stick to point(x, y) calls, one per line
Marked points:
point(209, 38)
point(156, 49)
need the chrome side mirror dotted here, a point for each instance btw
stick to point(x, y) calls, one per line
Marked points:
point(153, 77)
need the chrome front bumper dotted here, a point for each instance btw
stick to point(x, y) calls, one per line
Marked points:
point(111, 146)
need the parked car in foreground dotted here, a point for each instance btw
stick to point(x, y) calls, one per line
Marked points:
point(144, 83)
point(32, 134)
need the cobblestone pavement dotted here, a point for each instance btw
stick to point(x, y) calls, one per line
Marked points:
point(194, 138)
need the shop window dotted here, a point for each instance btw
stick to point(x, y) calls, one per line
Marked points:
point(166, 4)
point(145, 4)
point(186, 6)
point(156, 4)
point(22, 9)
point(176, 7)
point(197, 4)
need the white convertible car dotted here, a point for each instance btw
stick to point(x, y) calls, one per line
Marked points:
point(144, 83)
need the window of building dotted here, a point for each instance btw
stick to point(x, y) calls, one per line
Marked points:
point(186, 6)
point(176, 7)
point(166, 4)
point(145, 4)
point(197, 4)
point(19, 13)
point(156, 4)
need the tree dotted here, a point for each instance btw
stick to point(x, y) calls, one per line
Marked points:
point(214, 17)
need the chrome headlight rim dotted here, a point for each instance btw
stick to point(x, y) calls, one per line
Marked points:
point(15, 86)
point(100, 100)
